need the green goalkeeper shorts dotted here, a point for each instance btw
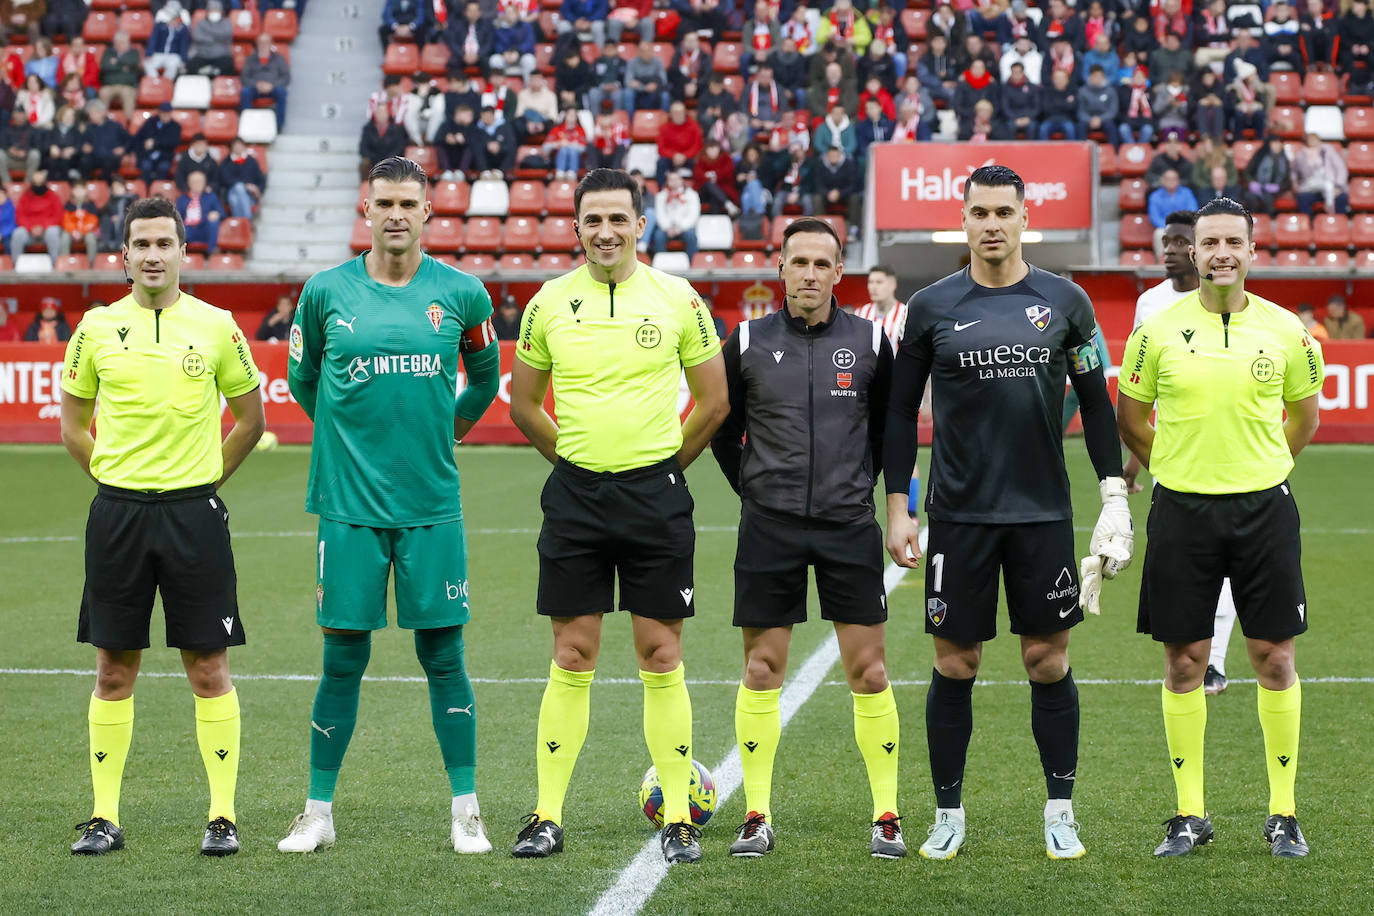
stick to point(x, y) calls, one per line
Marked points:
point(353, 562)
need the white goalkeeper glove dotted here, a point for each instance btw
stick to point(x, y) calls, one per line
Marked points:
point(1090, 584)
point(1114, 537)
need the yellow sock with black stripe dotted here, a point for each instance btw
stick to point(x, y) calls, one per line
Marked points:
point(668, 732)
point(217, 733)
point(758, 729)
point(878, 734)
point(563, 717)
point(1185, 726)
point(1280, 715)
point(112, 729)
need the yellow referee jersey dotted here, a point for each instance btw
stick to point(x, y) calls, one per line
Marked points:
point(615, 353)
point(1220, 387)
point(158, 374)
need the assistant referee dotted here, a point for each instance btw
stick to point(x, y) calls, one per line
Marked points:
point(158, 360)
point(615, 337)
point(1224, 366)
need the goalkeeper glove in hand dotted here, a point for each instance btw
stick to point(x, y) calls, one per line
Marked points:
point(1090, 584)
point(1114, 537)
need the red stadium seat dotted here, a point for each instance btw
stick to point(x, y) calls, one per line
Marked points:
point(281, 25)
point(70, 262)
point(236, 234)
point(1362, 193)
point(1106, 161)
point(361, 240)
point(1359, 123)
point(224, 260)
point(194, 260)
point(1331, 230)
point(1137, 257)
point(543, 59)
point(1362, 230)
point(1133, 159)
point(734, 84)
point(1359, 157)
point(647, 123)
point(226, 92)
point(481, 233)
point(364, 190)
point(1321, 88)
point(532, 174)
point(477, 263)
point(1132, 196)
point(711, 260)
point(1136, 231)
point(105, 260)
point(1287, 87)
point(153, 91)
point(516, 260)
point(1364, 261)
point(726, 57)
point(1262, 258)
point(554, 262)
point(138, 23)
point(758, 244)
point(98, 192)
point(165, 189)
point(914, 22)
point(558, 197)
point(751, 260)
point(101, 26)
point(526, 197)
point(556, 235)
point(1292, 230)
point(246, 28)
point(1339, 259)
point(1286, 121)
point(1263, 232)
point(1242, 151)
point(522, 234)
point(450, 198)
point(446, 233)
point(434, 59)
point(427, 158)
point(401, 59)
point(220, 126)
point(1292, 257)
point(191, 124)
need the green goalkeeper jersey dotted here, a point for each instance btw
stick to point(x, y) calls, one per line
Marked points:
point(381, 365)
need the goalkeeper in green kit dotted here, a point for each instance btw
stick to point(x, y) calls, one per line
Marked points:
point(373, 359)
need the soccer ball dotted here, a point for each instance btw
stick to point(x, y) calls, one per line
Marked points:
point(701, 795)
point(267, 442)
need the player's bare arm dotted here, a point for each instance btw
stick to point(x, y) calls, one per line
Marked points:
point(1301, 425)
point(711, 399)
point(528, 386)
point(77, 414)
point(903, 533)
point(1133, 421)
point(250, 420)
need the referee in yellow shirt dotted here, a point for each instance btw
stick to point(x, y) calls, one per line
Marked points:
point(615, 336)
point(1224, 366)
point(158, 360)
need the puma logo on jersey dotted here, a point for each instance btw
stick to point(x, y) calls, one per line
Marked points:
point(322, 731)
point(348, 324)
point(466, 710)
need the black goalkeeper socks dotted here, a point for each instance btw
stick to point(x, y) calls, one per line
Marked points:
point(1054, 722)
point(949, 725)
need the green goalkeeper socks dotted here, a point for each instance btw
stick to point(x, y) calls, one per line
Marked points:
point(336, 708)
point(451, 703)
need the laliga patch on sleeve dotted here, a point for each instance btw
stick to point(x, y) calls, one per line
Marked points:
point(1084, 359)
point(296, 345)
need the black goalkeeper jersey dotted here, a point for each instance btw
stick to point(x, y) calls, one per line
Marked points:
point(997, 360)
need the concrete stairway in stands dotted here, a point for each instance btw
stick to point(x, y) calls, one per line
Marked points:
point(307, 213)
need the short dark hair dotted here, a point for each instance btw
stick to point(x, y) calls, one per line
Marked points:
point(816, 225)
point(1181, 218)
point(884, 269)
point(153, 208)
point(1225, 206)
point(608, 180)
point(391, 79)
point(996, 176)
point(398, 169)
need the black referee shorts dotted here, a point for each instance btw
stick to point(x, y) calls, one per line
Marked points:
point(175, 542)
point(634, 524)
point(770, 572)
point(1195, 541)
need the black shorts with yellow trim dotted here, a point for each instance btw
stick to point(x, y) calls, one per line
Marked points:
point(175, 542)
point(634, 526)
point(771, 562)
point(1197, 540)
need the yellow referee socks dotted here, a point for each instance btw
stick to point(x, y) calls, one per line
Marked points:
point(112, 728)
point(217, 733)
point(758, 729)
point(1280, 714)
point(563, 717)
point(878, 734)
point(668, 732)
point(1185, 725)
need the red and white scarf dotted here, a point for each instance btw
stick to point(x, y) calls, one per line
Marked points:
point(754, 98)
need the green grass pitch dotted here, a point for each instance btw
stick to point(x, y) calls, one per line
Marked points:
point(392, 807)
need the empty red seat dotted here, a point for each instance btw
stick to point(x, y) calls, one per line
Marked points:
point(225, 92)
point(153, 91)
point(1133, 159)
point(224, 260)
point(711, 260)
point(556, 234)
point(515, 260)
point(1292, 230)
point(750, 260)
point(477, 263)
point(246, 27)
point(100, 26)
point(446, 233)
point(733, 84)
point(1136, 231)
point(1359, 157)
point(427, 158)
point(1262, 258)
point(105, 260)
point(1331, 230)
point(647, 123)
point(481, 233)
point(914, 22)
point(236, 234)
point(1362, 230)
point(1287, 87)
point(191, 124)
point(165, 189)
point(434, 59)
point(1321, 88)
point(1133, 193)
point(195, 260)
point(1359, 123)
point(450, 198)
point(1337, 258)
point(1364, 260)
point(1292, 257)
point(1263, 233)
point(558, 197)
point(138, 23)
point(1137, 257)
point(281, 25)
point(70, 262)
point(98, 192)
point(1242, 151)
point(522, 234)
point(1362, 193)
point(526, 197)
point(554, 262)
point(1106, 161)
point(1286, 121)
point(401, 59)
point(220, 125)
point(361, 240)
point(726, 57)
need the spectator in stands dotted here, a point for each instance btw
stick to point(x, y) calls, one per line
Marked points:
point(1060, 22)
point(763, 100)
point(936, 71)
point(266, 75)
point(37, 102)
point(1355, 47)
point(1102, 54)
point(1021, 23)
point(80, 222)
point(762, 34)
point(1219, 184)
point(913, 123)
point(499, 95)
point(431, 102)
point(975, 48)
point(649, 224)
point(506, 321)
point(212, 43)
point(565, 145)
point(799, 28)
point(276, 324)
point(156, 144)
point(401, 107)
point(243, 178)
point(19, 146)
point(1172, 57)
point(1212, 31)
point(513, 43)
point(49, 325)
point(1316, 31)
point(1098, 107)
point(1208, 106)
point(677, 210)
point(1170, 105)
point(1246, 51)
point(950, 25)
point(833, 89)
point(713, 178)
point(690, 69)
point(197, 158)
point(457, 142)
point(754, 196)
point(1139, 39)
point(609, 143)
point(975, 85)
point(573, 80)
point(836, 130)
point(37, 215)
point(1308, 316)
point(43, 62)
point(1025, 53)
point(1020, 103)
point(828, 54)
point(1170, 155)
point(1096, 23)
point(874, 127)
point(609, 77)
point(1267, 175)
point(112, 215)
point(1058, 107)
point(716, 103)
point(21, 18)
point(792, 179)
point(169, 43)
point(470, 40)
point(646, 80)
point(637, 16)
point(66, 18)
point(1137, 116)
point(404, 21)
point(1282, 50)
point(73, 94)
point(536, 108)
point(1320, 174)
point(1250, 101)
point(7, 225)
point(382, 138)
point(1340, 322)
point(587, 19)
point(838, 186)
point(1171, 195)
point(679, 142)
point(495, 156)
point(874, 89)
point(1061, 56)
point(789, 69)
point(201, 211)
point(81, 61)
point(878, 64)
point(1170, 19)
point(62, 147)
point(1208, 155)
point(120, 68)
point(991, 16)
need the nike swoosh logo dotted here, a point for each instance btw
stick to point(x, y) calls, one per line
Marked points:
point(1067, 611)
point(960, 327)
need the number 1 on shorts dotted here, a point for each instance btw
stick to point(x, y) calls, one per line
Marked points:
point(937, 566)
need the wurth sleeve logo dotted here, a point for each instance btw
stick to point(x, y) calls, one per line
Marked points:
point(478, 338)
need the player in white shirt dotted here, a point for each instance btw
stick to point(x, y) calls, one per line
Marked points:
point(1180, 279)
